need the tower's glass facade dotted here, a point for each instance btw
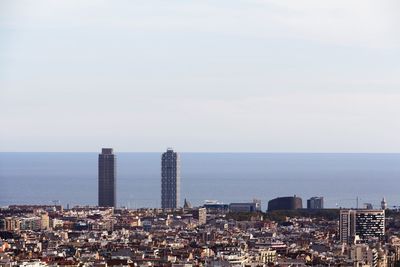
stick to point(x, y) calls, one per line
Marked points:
point(170, 180)
point(107, 181)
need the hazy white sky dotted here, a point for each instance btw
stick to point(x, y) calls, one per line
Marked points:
point(228, 75)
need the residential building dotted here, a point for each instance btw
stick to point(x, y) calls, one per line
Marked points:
point(361, 223)
point(201, 215)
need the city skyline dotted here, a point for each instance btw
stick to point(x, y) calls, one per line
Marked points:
point(230, 133)
point(71, 178)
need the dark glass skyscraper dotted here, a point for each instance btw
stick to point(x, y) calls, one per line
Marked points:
point(170, 180)
point(107, 178)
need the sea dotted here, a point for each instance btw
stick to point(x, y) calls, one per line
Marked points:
point(344, 180)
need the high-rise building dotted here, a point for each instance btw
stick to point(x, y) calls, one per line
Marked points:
point(370, 223)
point(170, 180)
point(363, 223)
point(107, 178)
point(347, 225)
point(315, 203)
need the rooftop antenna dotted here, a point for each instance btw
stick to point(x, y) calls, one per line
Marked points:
point(357, 202)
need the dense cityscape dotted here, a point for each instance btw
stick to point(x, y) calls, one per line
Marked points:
point(214, 234)
point(199, 133)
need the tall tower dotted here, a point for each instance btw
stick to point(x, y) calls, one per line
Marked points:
point(107, 183)
point(347, 226)
point(170, 180)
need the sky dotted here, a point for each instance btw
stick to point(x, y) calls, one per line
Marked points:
point(200, 76)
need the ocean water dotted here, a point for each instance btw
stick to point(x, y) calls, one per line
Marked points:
point(71, 178)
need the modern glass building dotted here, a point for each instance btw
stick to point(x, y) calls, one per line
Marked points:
point(170, 180)
point(107, 178)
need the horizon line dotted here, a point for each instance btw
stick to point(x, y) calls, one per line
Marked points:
point(213, 152)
